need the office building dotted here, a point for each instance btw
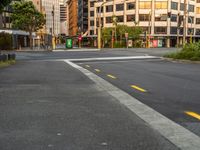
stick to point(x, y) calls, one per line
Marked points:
point(83, 15)
point(162, 20)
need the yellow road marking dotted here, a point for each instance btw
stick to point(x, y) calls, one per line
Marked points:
point(97, 70)
point(193, 114)
point(87, 66)
point(138, 88)
point(111, 76)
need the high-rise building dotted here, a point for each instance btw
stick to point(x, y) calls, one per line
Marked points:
point(162, 20)
point(63, 18)
point(52, 15)
point(83, 15)
point(72, 16)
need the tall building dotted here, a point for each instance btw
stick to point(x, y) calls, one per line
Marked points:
point(163, 20)
point(83, 15)
point(63, 18)
point(72, 10)
point(52, 15)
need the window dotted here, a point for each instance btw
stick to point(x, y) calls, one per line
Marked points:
point(91, 4)
point(190, 31)
point(182, 6)
point(130, 18)
point(197, 20)
point(108, 19)
point(109, 8)
point(197, 31)
point(190, 19)
point(191, 8)
point(119, 7)
point(144, 5)
point(91, 13)
point(161, 18)
point(173, 18)
point(120, 18)
point(198, 10)
point(160, 5)
point(174, 5)
point(130, 6)
point(92, 23)
point(91, 32)
point(160, 30)
point(144, 17)
point(173, 30)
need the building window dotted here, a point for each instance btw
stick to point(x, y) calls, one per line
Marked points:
point(173, 30)
point(191, 8)
point(92, 23)
point(109, 8)
point(173, 18)
point(144, 17)
point(91, 4)
point(190, 31)
point(160, 5)
point(198, 10)
point(162, 17)
point(108, 19)
point(130, 18)
point(91, 32)
point(98, 9)
point(119, 7)
point(174, 5)
point(197, 31)
point(160, 30)
point(91, 13)
point(197, 20)
point(182, 6)
point(120, 18)
point(130, 6)
point(144, 5)
point(190, 19)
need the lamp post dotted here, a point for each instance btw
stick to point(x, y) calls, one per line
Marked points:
point(99, 27)
point(53, 35)
point(191, 32)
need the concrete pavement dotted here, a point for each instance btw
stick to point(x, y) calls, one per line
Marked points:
point(50, 105)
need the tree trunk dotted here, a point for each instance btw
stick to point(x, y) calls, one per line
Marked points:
point(1, 20)
point(31, 40)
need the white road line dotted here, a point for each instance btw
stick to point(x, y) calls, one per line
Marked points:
point(178, 135)
point(115, 58)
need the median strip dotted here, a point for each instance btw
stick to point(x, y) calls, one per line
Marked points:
point(138, 88)
point(111, 76)
point(193, 114)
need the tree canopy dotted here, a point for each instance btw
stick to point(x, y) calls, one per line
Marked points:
point(26, 17)
point(4, 3)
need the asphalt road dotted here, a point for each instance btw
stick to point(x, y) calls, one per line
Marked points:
point(171, 88)
point(48, 105)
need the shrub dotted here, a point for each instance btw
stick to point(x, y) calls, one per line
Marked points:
point(5, 41)
point(189, 52)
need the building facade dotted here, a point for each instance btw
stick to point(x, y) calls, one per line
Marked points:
point(161, 19)
point(72, 17)
point(83, 15)
point(63, 18)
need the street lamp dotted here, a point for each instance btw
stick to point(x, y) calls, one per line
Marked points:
point(99, 27)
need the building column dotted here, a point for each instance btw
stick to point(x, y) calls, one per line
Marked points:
point(168, 42)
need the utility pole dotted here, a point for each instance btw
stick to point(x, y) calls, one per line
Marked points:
point(53, 36)
point(184, 22)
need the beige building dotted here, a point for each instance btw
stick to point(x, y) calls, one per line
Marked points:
point(162, 19)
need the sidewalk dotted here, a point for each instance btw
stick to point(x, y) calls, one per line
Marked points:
point(50, 105)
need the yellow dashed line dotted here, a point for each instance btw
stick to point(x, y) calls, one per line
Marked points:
point(193, 114)
point(87, 66)
point(97, 70)
point(138, 88)
point(111, 76)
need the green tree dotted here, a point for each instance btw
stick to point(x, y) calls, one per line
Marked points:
point(26, 17)
point(106, 35)
point(4, 3)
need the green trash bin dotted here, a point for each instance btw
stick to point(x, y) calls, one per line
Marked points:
point(69, 43)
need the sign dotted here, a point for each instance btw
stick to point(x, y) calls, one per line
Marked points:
point(155, 43)
point(130, 43)
point(69, 43)
point(79, 37)
point(126, 35)
point(160, 43)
